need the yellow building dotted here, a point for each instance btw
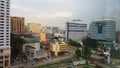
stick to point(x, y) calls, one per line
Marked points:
point(41, 35)
point(34, 27)
point(58, 46)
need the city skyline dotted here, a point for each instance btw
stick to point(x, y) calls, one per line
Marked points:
point(31, 34)
point(58, 12)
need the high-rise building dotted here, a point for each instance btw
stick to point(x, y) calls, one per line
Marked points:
point(103, 30)
point(34, 27)
point(5, 49)
point(75, 30)
point(17, 25)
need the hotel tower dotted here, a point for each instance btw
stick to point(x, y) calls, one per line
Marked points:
point(5, 49)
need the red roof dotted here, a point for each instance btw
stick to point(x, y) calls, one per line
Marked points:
point(93, 63)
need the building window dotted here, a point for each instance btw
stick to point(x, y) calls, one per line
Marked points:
point(1, 51)
point(6, 57)
point(1, 44)
point(7, 44)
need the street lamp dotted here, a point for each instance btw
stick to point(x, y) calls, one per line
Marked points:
point(107, 53)
point(108, 56)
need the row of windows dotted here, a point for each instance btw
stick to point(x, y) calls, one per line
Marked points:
point(3, 22)
point(6, 1)
point(3, 39)
point(6, 36)
point(6, 5)
point(2, 10)
point(3, 18)
point(3, 44)
point(1, 30)
point(3, 27)
point(7, 15)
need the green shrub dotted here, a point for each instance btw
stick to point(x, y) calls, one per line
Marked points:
point(97, 66)
point(86, 67)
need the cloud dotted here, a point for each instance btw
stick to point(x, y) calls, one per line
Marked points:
point(28, 12)
point(60, 11)
point(113, 10)
point(62, 14)
point(45, 18)
point(17, 10)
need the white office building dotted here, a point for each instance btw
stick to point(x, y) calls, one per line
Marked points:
point(75, 30)
point(5, 49)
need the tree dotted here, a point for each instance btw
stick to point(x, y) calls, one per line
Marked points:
point(16, 45)
point(117, 38)
point(55, 37)
point(115, 53)
point(86, 52)
point(78, 53)
point(74, 43)
point(101, 46)
point(90, 42)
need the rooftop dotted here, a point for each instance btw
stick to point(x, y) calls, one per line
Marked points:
point(103, 19)
point(32, 39)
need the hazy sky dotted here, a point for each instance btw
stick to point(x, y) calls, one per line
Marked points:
point(57, 12)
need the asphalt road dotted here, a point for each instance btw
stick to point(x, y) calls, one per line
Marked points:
point(30, 65)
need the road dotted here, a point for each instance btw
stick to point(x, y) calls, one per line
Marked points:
point(43, 63)
point(56, 59)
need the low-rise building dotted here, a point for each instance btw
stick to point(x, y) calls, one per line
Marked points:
point(58, 46)
point(41, 35)
point(33, 51)
point(59, 35)
point(50, 30)
point(32, 48)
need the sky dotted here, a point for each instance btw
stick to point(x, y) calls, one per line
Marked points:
point(58, 12)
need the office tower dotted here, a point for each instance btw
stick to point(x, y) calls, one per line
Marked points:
point(75, 30)
point(103, 30)
point(17, 24)
point(5, 34)
point(34, 27)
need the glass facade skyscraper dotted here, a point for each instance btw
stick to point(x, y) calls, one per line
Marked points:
point(75, 30)
point(103, 30)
